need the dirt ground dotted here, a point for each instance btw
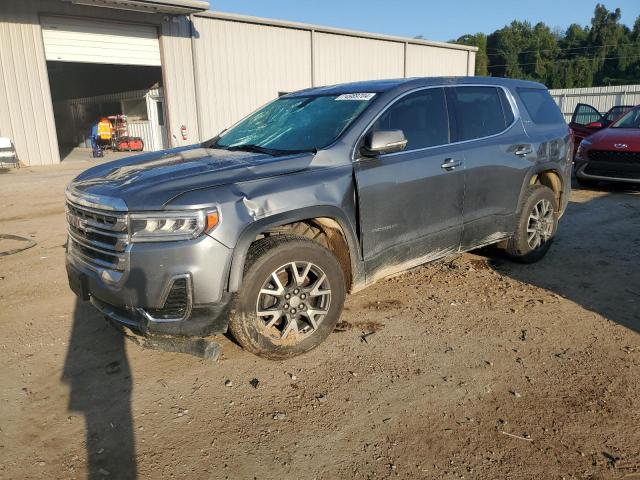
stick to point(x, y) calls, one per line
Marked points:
point(469, 368)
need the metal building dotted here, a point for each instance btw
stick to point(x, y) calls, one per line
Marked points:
point(212, 68)
point(601, 98)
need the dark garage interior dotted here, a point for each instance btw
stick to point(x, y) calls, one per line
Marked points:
point(70, 81)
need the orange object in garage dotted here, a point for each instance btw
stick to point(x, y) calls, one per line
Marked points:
point(104, 129)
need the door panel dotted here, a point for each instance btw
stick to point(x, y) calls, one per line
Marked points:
point(410, 206)
point(496, 162)
point(494, 175)
point(157, 119)
point(582, 116)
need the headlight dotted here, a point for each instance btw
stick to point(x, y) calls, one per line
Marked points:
point(168, 226)
point(584, 144)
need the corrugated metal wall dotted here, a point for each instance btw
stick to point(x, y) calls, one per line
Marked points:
point(26, 112)
point(240, 66)
point(243, 62)
point(144, 130)
point(179, 80)
point(342, 58)
point(424, 61)
point(471, 63)
point(602, 98)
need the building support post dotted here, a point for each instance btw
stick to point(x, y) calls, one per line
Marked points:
point(313, 70)
point(406, 47)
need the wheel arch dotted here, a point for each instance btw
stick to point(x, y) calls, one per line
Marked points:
point(549, 177)
point(342, 238)
point(552, 179)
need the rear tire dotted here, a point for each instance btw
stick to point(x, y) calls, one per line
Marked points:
point(537, 225)
point(291, 297)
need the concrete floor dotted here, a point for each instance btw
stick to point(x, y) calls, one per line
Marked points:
point(84, 154)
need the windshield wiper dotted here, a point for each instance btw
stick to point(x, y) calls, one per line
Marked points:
point(258, 149)
point(274, 152)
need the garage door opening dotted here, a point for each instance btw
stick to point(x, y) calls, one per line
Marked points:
point(104, 75)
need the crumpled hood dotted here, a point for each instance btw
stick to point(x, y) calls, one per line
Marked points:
point(608, 138)
point(149, 181)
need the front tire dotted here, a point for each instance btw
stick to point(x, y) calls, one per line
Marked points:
point(537, 225)
point(291, 297)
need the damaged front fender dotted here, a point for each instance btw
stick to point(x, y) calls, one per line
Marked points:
point(252, 207)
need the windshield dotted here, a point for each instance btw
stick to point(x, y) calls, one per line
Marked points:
point(615, 113)
point(630, 120)
point(295, 124)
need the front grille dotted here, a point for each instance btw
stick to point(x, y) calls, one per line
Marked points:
point(614, 164)
point(99, 238)
point(600, 170)
point(176, 304)
point(613, 156)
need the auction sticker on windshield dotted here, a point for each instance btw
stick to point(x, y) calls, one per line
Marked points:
point(356, 96)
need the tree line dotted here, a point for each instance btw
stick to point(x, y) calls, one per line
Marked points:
point(606, 52)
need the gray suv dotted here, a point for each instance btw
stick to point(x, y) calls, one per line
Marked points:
point(263, 229)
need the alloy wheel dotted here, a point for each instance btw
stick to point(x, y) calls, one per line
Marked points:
point(293, 301)
point(540, 224)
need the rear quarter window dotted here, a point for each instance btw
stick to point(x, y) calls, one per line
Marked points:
point(540, 106)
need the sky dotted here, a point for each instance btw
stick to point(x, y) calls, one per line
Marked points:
point(433, 19)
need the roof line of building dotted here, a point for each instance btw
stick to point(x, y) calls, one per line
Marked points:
point(163, 6)
point(323, 29)
point(195, 4)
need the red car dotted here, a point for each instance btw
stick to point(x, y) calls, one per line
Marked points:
point(587, 120)
point(611, 154)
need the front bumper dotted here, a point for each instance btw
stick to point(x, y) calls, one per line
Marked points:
point(174, 288)
point(201, 321)
point(607, 172)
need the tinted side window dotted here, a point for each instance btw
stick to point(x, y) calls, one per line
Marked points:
point(422, 116)
point(584, 114)
point(541, 107)
point(479, 112)
point(615, 113)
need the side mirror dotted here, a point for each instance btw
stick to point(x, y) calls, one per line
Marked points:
point(594, 125)
point(383, 141)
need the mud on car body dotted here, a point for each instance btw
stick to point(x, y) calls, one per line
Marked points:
point(264, 229)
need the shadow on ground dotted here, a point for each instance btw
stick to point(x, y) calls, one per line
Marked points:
point(98, 374)
point(600, 235)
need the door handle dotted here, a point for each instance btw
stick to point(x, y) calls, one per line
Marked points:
point(451, 164)
point(523, 150)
